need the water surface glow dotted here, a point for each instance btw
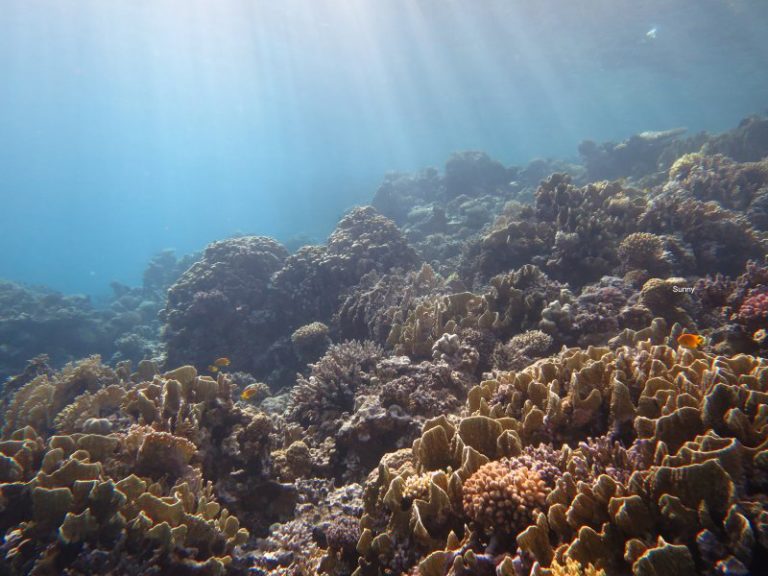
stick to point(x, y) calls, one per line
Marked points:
point(131, 126)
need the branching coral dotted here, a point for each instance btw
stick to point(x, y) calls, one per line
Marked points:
point(330, 389)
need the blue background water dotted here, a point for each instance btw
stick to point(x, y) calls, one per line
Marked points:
point(131, 126)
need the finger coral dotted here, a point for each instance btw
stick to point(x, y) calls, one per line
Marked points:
point(503, 496)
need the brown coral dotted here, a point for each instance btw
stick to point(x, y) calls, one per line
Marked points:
point(691, 458)
point(500, 498)
point(642, 250)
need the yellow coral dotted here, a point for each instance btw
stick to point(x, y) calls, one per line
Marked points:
point(574, 568)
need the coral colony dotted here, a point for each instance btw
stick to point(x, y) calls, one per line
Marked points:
point(553, 369)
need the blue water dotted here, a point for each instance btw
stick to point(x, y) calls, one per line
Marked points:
point(130, 126)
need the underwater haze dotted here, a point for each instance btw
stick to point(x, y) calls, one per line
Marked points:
point(383, 287)
point(127, 127)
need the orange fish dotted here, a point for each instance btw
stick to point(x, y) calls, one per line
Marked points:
point(213, 368)
point(221, 362)
point(249, 392)
point(760, 336)
point(690, 340)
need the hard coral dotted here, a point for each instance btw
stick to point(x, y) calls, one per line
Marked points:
point(719, 240)
point(310, 341)
point(642, 250)
point(227, 293)
point(719, 178)
point(753, 312)
point(38, 402)
point(335, 378)
point(520, 350)
point(502, 496)
point(574, 568)
point(687, 442)
point(472, 173)
point(313, 280)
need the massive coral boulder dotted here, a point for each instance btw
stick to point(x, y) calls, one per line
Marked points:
point(474, 173)
point(638, 156)
point(219, 307)
point(746, 143)
point(568, 225)
point(312, 282)
point(400, 193)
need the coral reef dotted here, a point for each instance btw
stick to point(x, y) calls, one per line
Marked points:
point(313, 280)
point(105, 472)
point(591, 503)
point(479, 375)
point(639, 155)
point(219, 306)
point(36, 321)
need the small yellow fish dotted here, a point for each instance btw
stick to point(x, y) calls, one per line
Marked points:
point(250, 391)
point(221, 362)
point(213, 368)
point(687, 340)
point(760, 335)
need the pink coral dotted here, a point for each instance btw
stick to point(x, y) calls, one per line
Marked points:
point(754, 309)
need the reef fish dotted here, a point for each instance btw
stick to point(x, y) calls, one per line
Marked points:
point(220, 362)
point(250, 391)
point(690, 340)
point(213, 368)
point(760, 335)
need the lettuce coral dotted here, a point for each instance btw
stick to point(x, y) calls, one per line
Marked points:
point(690, 460)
